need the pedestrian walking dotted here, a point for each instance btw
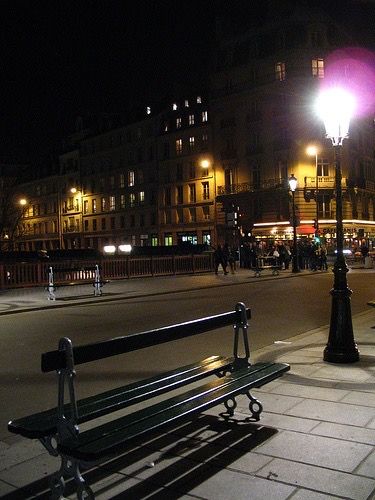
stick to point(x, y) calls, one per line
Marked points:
point(219, 260)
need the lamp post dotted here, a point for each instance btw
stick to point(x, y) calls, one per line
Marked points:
point(313, 151)
point(205, 164)
point(335, 107)
point(293, 186)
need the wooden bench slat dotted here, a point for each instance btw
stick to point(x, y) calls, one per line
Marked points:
point(44, 423)
point(109, 438)
point(55, 360)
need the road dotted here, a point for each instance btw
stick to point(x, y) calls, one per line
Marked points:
point(281, 308)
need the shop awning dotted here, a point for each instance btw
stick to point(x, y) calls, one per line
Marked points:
point(305, 230)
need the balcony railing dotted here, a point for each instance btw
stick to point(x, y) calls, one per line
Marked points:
point(247, 187)
point(324, 182)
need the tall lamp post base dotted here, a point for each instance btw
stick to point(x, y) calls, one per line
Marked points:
point(341, 346)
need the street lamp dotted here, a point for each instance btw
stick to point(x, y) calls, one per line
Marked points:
point(313, 151)
point(293, 186)
point(205, 164)
point(335, 107)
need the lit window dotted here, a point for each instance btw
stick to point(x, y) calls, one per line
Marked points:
point(206, 212)
point(204, 116)
point(178, 122)
point(122, 180)
point(199, 100)
point(317, 68)
point(103, 204)
point(179, 146)
point(148, 110)
point(206, 190)
point(186, 103)
point(122, 201)
point(192, 193)
point(85, 207)
point(168, 241)
point(112, 203)
point(132, 199)
point(280, 72)
point(191, 119)
point(93, 205)
point(191, 143)
point(174, 106)
point(166, 126)
point(141, 196)
point(131, 178)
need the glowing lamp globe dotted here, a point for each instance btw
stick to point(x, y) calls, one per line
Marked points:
point(336, 107)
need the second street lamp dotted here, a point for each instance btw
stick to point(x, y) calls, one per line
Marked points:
point(293, 186)
point(335, 107)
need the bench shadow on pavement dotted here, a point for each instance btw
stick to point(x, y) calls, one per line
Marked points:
point(199, 449)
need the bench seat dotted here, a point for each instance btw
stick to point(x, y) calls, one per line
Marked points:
point(105, 440)
point(40, 425)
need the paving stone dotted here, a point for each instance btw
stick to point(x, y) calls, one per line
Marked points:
point(335, 372)
point(30, 470)
point(228, 484)
point(6, 488)
point(271, 402)
point(333, 412)
point(287, 422)
point(360, 398)
point(367, 467)
point(320, 480)
point(316, 450)
point(19, 452)
point(302, 494)
point(346, 432)
point(311, 392)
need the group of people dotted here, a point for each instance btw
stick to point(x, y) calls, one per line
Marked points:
point(224, 256)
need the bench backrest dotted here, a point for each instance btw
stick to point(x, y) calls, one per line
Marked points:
point(57, 360)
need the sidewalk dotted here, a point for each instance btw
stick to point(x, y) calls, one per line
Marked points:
point(315, 441)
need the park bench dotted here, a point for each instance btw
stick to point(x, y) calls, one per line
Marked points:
point(75, 275)
point(221, 378)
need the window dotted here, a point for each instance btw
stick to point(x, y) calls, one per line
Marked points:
point(132, 199)
point(191, 143)
point(206, 190)
point(154, 240)
point(122, 180)
point(179, 146)
point(180, 216)
point(142, 220)
point(168, 217)
point(178, 122)
point(141, 197)
point(112, 203)
point(93, 206)
point(317, 68)
point(192, 193)
point(323, 167)
point(174, 106)
point(191, 119)
point(167, 196)
point(206, 212)
point(192, 170)
point(204, 142)
point(103, 204)
point(85, 206)
point(131, 178)
point(168, 240)
point(86, 225)
point(280, 72)
point(193, 214)
point(180, 195)
point(204, 116)
point(103, 224)
point(199, 100)
point(166, 150)
point(179, 172)
point(122, 222)
point(113, 223)
point(186, 103)
point(122, 201)
point(94, 225)
point(112, 181)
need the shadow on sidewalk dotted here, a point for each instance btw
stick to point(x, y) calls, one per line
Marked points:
point(192, 454)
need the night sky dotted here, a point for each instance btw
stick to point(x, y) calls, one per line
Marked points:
point(61, 59)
